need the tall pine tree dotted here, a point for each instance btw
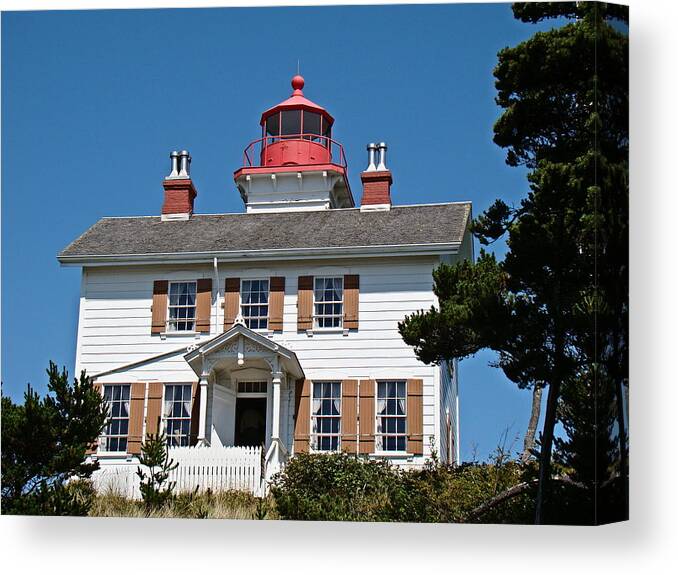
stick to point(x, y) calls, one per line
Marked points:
point(559, 314)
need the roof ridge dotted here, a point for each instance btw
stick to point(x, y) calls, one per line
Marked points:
point(396, 207)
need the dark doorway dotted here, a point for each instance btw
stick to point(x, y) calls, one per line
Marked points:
point(250, 421)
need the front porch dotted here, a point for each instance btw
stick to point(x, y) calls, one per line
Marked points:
point(246, 384)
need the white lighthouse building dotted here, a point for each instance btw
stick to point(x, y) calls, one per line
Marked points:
point(272, 331)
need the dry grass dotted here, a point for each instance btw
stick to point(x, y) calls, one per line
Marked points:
point(218, 505)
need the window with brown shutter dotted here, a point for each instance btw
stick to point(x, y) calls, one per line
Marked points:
point(93, 448)
point(195, 413)
point(351, 293)
point(367, 416)
point(302, 417)
point(276, 302)
point(154, 407)
point(349, 415)
point(203, 305)
point(304, 303)
point(159, 307)
point(415, 416)
point(136, 418)
point(231, 302)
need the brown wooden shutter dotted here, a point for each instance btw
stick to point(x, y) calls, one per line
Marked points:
point(159, 307)
point(203, 305)
point(351, 293)
point(195, 413)
point(136, 417)
point(231, 302)
point(276, 301)
point(93, 448)
point(305, 303)
point(349, 415)
point(367, 415)
point(302, 415)
point(154, 407)
point(415, 416)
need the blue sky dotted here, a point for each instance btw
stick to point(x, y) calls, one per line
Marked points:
point(94, 101)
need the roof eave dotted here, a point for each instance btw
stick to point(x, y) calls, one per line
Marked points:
point(431, 249)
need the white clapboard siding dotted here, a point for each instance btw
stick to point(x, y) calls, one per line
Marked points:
point(115, 323)
point(199, 469)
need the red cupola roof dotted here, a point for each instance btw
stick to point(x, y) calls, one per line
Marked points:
point(297, 101)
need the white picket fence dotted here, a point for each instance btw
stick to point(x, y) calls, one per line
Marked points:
point(201, 468)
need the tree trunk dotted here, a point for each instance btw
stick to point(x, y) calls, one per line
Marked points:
point(528, 444)
point(545, 452)
point(623, 453)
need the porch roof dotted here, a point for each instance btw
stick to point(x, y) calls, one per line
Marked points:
point(237, 335)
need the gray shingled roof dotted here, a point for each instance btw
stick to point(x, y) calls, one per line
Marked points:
point(402, 226)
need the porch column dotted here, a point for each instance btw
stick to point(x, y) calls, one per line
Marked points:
point(275, 424)
point(202, 424)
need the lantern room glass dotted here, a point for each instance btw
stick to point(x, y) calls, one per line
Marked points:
point(297, 124)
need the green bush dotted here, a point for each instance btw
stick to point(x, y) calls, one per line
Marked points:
point(340, 487)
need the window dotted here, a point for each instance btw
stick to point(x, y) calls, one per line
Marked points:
point(391, 416)
point(311, 126)
point(326, 415)
point(290, 123)
point(177, 415)
point(329, 302)
point(114, 437)
point(254, 306)
point(273, 125)
point(181, 306)
point(252, 387)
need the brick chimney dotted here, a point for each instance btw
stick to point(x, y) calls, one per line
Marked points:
point(179, 189)
point(376, 180)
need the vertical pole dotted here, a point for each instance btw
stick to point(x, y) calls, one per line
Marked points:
point(203, 410)
point(275, 424)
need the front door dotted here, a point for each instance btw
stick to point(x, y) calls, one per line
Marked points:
point(250, 421)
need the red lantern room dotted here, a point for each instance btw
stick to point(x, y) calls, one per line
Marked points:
point(296, 144)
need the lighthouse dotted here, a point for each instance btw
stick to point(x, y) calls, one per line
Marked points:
point(295, 164)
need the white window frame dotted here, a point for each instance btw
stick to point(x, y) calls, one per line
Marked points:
point(106, 436)
point(317, 317)
point(259, 304)
point(380, 436)
point(166, 418)
point(170, 321)
point(315, 437)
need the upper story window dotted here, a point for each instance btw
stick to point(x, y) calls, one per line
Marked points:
point(181, 306)
point(177, 414)
point(391, 416)
point(115, 433)
point(254, 303)
point(326, 415)
point(328, 302)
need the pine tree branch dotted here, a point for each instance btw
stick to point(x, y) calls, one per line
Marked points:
point(514, 492)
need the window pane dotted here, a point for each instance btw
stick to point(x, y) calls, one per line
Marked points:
point(273, 125)
point(311, 123)
point(291, 122)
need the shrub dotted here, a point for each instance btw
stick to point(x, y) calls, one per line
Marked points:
point(340, 487)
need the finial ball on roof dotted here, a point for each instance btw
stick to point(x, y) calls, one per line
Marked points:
point(298, 82)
